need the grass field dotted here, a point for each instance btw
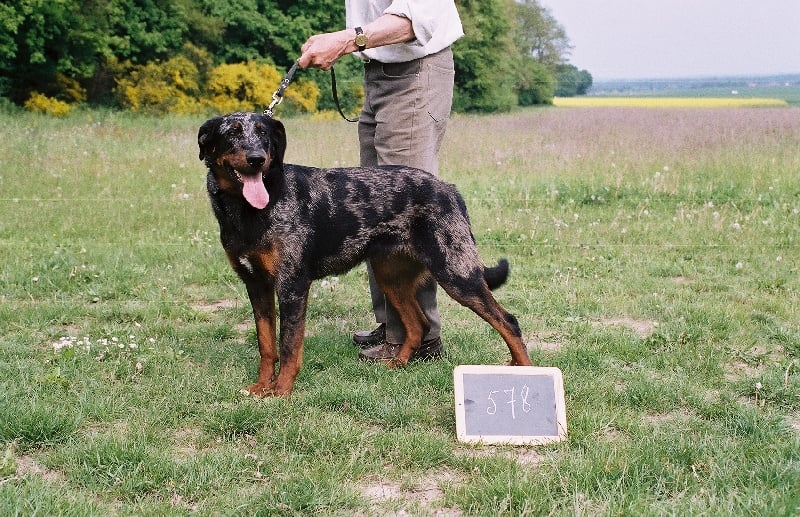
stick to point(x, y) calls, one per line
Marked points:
point(786, 88)
point(654, 259)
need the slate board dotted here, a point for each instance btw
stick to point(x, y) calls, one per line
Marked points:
point(509, 404)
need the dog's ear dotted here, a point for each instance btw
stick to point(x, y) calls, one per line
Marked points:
point(277, 140)
point(205, 136)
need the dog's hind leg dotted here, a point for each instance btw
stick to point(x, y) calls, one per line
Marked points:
point(475, 294)
point(399, 278)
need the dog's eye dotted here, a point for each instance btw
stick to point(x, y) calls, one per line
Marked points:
point(261, 130)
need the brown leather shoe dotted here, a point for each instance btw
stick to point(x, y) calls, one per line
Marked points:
point(428, 350)
point(367, 338)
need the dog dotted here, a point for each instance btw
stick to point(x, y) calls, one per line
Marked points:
point(283, 226)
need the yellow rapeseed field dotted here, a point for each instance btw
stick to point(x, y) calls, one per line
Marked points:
point(667, 102)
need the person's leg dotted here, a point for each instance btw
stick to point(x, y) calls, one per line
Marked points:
point(403, 123)
point(369, 158)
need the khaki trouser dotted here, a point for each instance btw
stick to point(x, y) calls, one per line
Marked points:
point(403, 122)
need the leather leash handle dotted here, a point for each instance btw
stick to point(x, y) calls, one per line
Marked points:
point(336, 98)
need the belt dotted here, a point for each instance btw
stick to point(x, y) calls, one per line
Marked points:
point(403, 68)
point(394, 69)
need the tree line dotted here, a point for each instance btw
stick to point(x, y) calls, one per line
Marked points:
point(194, 55)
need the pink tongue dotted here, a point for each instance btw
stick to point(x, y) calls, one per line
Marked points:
point(254, 191)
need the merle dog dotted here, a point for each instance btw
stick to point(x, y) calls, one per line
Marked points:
point(283, 226)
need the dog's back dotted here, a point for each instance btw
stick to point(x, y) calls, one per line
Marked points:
point(341, 216)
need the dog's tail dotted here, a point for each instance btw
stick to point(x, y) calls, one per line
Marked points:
point(497, 275)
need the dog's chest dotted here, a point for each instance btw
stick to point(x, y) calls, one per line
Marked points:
point(241, 228)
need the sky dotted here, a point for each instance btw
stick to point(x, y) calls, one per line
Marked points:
point(649, 39)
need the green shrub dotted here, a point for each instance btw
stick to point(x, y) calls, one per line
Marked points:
point(70, 90)
point(535, 84)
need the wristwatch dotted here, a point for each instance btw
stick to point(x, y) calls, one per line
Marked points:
point(361, 39)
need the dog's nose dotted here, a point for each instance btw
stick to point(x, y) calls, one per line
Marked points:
point(256, 160)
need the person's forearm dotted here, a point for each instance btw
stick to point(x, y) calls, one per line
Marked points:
point(387, 30)
point(323, 50)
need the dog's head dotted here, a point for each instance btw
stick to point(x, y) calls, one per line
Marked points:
point(241, 150)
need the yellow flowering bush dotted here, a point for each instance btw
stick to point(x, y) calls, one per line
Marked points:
point(169, 87)
point(301, 97)
point(249, 87)
point(241, 86)
point(40, 103)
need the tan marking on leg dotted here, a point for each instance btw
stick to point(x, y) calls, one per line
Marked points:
point(399, 278)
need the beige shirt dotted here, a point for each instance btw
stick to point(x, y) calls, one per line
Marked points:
point(436, 26)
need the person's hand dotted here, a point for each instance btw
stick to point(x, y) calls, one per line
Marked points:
point(323, 50)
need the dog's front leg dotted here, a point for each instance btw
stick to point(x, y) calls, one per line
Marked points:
point(293, 305)
point(262, 299)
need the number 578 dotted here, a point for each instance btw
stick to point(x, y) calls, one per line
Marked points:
point(511, 400)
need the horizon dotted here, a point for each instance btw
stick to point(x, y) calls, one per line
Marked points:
point(774, 76)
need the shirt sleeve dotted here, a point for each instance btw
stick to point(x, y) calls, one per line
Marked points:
point(435, 22)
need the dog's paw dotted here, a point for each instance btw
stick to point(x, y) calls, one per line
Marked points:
point(512, 362)
point(258, 390)
point(261, 391)
point(281, 392)
point(394, 363)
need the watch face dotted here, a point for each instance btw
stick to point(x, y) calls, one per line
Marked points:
point(361, 40)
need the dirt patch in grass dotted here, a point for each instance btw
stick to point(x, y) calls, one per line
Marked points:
point(642, 328)
point(385, 495)
point(27, 466)
point(741, 370)
point(523, 456)
point(670, 418)
point(215, 306)
point(210, 307)
point(185, 442)
point(546, 341)
point(794, 421)
point(402, 499)
point(71, 330)
point(751, 363)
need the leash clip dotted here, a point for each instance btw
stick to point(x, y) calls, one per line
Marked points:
point(277, 97)
point(276, 100)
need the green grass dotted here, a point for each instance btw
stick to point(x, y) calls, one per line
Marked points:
point(654, 259)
